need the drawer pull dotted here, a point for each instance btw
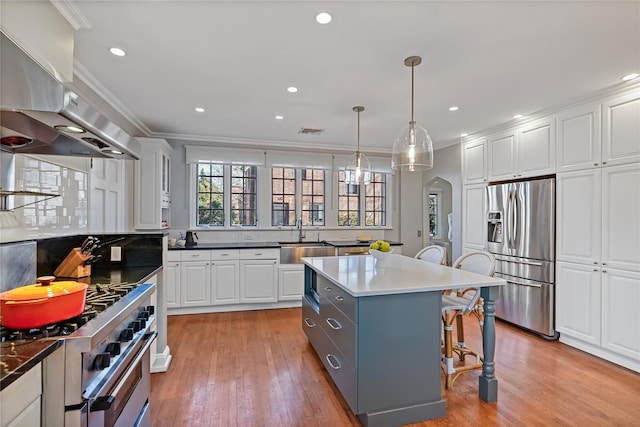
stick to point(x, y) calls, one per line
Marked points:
point(328, 288)
point(258, 253)
point(333, 361)
point(309, 322)
point(333, 323)
point(224, 254)
point(339, 298)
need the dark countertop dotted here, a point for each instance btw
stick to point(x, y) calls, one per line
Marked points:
point(17, 357)
point(250, 245)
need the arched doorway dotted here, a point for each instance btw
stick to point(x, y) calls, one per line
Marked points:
point(437, 221)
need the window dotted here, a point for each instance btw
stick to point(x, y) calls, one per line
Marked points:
point(210, 194)
point(348, 202)
point(244, 201)
point(283, 196)
point(313, 197)
point(375, 200)
point(309, 192)
point(434, 213)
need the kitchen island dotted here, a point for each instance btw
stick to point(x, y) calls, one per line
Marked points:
point(377, 331)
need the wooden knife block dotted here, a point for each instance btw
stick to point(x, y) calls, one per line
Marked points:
point(73, 265)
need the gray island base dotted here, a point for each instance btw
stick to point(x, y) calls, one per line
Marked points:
point(382, 349)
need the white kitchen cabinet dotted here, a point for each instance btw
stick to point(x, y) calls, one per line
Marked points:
point(502, 156)
point(474, 161)
point(578, 301)
point(195, 273)
point(620, 312)
point(579, 216)
point(578, 141)
point(621, 129)
point(621, 217)
point(172, 281)
point(20, 401)
point(474, 222)
point(152, 174)
point(225, 281)
point(106, 196)
point(259, 280)
point(290, 282)
point(526, 151)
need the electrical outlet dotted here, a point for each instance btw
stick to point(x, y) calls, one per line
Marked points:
point(116, 253)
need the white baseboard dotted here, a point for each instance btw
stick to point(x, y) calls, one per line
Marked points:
point(160, 361)
point(602, 353)
point(233, 307)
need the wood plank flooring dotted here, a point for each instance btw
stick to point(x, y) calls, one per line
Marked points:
point(256, 368)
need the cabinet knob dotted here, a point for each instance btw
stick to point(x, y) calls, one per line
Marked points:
point(595, 164)
point(604, 163)
point(595, 269)
point(604, 271)
point(595, 262)
point(604, 263)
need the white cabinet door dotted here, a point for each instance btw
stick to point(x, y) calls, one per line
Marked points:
point(621, 312)
point(258, 281)
point(474, 161)
point(20, 400)
point(172, 284)
point(536, 151)
point(578, 217)
point(152, 173)
point(578, 296)
point(106, 198)
point(502, 156)
point(578, 142)
point(291, 282)
point(225, 282)
point(195, 285)
point(474, 224)
point(621, 217)
point(621, 129)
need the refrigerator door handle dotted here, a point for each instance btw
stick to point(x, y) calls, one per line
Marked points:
point(516, 219)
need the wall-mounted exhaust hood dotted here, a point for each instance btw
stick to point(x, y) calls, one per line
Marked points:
point(38, 115)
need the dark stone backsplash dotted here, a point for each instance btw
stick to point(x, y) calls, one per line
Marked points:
point(17, 265)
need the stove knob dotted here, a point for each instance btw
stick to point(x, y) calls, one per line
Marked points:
point(151, 309)
point(101, 361)
point(143, 323)
point(143, 315)
point(135, 325)
point(113, 348)
point(126, 335)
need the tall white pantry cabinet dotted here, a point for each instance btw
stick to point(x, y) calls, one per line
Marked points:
point(597, 168)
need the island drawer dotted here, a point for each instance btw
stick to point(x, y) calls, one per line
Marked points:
point(338, 297)
point(339, 328)
point(310, 322)
point(341, 369)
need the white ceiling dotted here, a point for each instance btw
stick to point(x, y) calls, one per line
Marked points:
point(236, 59)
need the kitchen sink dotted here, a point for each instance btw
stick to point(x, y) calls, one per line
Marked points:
point(291, 252)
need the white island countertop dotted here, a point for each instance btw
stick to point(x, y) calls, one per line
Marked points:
point(359, 275)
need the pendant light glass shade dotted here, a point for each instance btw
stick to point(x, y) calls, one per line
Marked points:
point(412, 148)
point(358, 169)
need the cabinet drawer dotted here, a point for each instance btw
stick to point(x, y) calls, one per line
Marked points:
point(310, 322)
point(339, 328)
point(194, 255)
point(338, 297)
point(342, 371)
point(259, 253)
point(225, 254)
point(174, 256)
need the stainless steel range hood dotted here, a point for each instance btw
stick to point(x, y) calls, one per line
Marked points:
point(38, 114)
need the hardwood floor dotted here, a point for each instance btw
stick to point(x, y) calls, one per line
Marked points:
point(256, 368)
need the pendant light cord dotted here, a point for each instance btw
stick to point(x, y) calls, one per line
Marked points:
point(358, 150)
point(412, 67)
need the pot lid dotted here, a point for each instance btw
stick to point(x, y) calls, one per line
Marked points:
point(45, 288)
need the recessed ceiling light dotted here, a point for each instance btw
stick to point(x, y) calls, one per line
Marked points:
point(279, 117)
point(518, 116)
point(323, 18)
point(454, 108)
point(292, 89)
point(464, 134)
point(630, 76)
point(117, 51)
point(112, 151)
point(199, 109)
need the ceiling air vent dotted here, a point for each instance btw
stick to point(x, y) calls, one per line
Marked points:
point(309, 131)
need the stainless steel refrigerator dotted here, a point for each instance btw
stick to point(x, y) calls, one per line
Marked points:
point(521, 235)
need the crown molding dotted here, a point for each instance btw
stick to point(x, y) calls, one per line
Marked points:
point(72, 14)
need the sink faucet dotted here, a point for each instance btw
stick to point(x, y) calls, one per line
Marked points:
point(299, 227)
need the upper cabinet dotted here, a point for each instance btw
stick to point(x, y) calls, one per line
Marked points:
point(578, 138)
point(40, 30)
point(152, 172)
point(474, 161)
point(522, 152)
point(621, 129)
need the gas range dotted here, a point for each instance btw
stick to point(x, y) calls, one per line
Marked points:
point(106, 350)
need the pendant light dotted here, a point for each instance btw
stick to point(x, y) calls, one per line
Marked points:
point(358, 169)
point(412, 148)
